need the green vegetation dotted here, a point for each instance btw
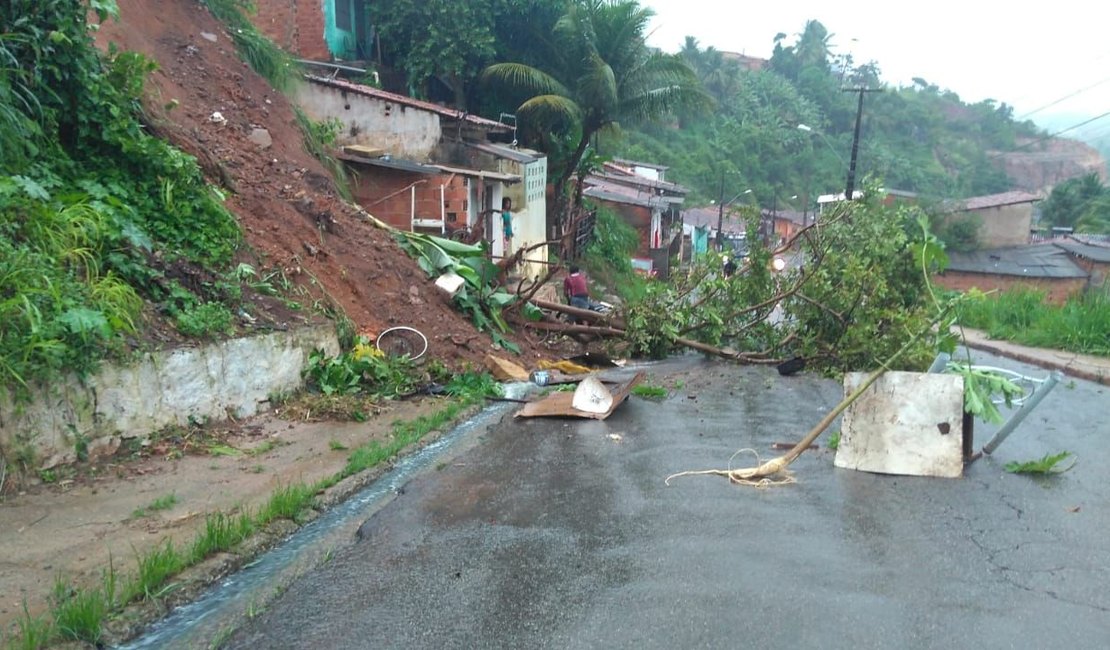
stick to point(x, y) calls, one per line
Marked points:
point(822, 299)
point(647, 391)
point(1082, 324)
point(834, 440)
point(154, 569)
point(478, 297)
point(363, 369)
point(1045, 465)
point(981, 388)
point(1080, 203)
point(319, 138)
point(95, 214)
point(596, 71)
point(263, 56)
point(161, 503)
point(608, 258)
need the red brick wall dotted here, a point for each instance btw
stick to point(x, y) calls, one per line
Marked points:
point(639, 218)
point(374, 184)
point(296, 25)
point(1058, 289)
point(1097, 270)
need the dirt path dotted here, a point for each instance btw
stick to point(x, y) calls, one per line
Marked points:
point(74, 526)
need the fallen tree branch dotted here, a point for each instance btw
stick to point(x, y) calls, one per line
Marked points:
point(774, 472)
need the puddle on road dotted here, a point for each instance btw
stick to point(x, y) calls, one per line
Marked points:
point(205, 617)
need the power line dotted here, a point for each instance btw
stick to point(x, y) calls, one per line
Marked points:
point(1050, 136)
point(1062, 99)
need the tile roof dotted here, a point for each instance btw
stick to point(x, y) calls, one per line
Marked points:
point(606, 191)
point(515, 154)
point(369, 91)
point(992, 201)
point(707, 218)
point(1092, 252)
point(617, 175)
point(1033, 261)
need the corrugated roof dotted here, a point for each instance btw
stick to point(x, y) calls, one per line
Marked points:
point(480, 173)
point(635, 163)
point(515, 154)
point(618, 176)
point(992, 201)
point(392, 163)
point(707, 218)
point(1034, 261)
point(617, 193)
point(369, 91)
point(1089, 251)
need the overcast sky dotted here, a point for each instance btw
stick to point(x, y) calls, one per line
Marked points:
point(1003, 51)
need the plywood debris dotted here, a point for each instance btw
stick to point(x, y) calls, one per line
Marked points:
point(560, 404)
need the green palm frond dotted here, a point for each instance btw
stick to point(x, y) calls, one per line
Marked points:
point(524, 77)
point(551, 110)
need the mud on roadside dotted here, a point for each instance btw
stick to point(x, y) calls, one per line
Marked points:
point(100, 514)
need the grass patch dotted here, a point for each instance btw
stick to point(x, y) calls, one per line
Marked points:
point(34, 631)
point(286, 503)
point(834, 440)
point(1049, 464)
point(221, 532)
point(1082, 324)
point(648, 391)
point(264, 448)
point(155, 568)
point(161, 503)
point(335, 445)
point(78, 612)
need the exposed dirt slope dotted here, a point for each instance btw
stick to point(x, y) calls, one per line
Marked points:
point(284, 199)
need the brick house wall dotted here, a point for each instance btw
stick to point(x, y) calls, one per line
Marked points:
point(1000, 226)
point(297, 26)
point(387, 194)
point(1097, 270)
point(1058, 289)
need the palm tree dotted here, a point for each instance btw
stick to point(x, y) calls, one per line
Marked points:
point(600, 71)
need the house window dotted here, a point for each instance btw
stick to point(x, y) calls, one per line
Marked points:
point(343, 15)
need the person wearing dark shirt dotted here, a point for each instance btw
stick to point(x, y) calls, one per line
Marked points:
point(574, 286)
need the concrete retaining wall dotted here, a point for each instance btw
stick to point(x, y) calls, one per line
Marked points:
point(232, 378)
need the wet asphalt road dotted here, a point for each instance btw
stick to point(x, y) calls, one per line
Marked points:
point(548, 534)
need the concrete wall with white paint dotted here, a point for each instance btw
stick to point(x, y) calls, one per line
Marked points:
point(234, 378)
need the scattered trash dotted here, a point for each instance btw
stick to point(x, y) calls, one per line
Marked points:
point(563, 404)
point(217, 118)
point(616, 437)
point(592, 396)
point(540, 377)
point(1072, 509)
point(209, 36)
point(450, 283)
point(564, 365)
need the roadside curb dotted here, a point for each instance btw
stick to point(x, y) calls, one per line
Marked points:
point(1072, 364)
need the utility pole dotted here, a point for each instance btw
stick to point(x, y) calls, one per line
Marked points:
point(849, 191)
point(721, 213)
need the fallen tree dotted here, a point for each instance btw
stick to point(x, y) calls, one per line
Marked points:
point(849, 297)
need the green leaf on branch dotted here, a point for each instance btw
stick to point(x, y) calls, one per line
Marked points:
point(1045, 465)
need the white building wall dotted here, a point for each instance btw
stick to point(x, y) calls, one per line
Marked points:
point(397, 129)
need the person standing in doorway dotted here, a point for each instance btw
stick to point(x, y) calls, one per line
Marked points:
point(507, 224)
